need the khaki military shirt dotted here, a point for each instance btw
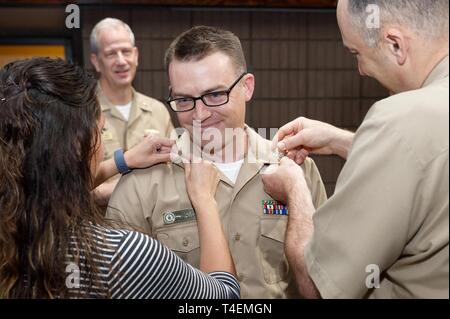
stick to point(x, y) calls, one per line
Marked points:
point(147, 115)
point(145, 198)
point(390, 207)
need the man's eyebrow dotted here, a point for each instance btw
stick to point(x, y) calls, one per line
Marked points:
point(215, 88)
point(118, 48)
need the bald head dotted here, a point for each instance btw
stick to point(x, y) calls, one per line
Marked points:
point(427, 19)
point(396, 42)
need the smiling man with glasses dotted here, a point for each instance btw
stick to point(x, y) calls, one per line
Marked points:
point(209, 89)
point(218, 98)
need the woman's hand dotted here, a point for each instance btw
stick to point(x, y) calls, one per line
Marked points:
point(201, 182)
point(202, 179)
point(150, 151)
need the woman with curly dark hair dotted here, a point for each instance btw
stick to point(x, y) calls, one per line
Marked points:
point(54, 242)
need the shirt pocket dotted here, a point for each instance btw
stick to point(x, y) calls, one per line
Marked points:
point(110, 142)
point(183, 240)
point(271, 244)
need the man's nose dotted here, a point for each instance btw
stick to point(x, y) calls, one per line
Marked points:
point(201, 111)
point(120, 58)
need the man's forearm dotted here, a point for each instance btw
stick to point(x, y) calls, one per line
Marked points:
point(103, 192)
point(342, 143)
point(106, 170)
point(299, 231)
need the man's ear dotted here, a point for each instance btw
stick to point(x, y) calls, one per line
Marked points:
point(137, 56)
point(249, 85)
point(94, 61)
point(398, 44)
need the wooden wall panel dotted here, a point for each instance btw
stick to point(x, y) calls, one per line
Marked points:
point(300, 64)
point(193, 3)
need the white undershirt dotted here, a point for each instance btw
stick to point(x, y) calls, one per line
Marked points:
point(124, 110)
point(230, 170)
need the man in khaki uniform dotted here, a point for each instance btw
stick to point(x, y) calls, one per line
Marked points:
point(147, 116)
point(129, 115)
point(210, 87)
point(384, 233)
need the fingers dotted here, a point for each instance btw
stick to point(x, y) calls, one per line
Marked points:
point(177, 156)
point(291, 154)
point(285, 161)
point(187, 169)
point(161, 141)
point(301, 156)
point(197, 165)
point(161, 158)
point(290, 128)
point(163, 149)
point(166, 142)
point(292, 142)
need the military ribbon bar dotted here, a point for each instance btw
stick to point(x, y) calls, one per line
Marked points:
point(272, 207)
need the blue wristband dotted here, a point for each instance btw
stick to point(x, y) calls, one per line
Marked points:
point(119, 159)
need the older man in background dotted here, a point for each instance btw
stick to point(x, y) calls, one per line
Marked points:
point(129, 115)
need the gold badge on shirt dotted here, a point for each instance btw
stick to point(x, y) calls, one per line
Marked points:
point(107, 136)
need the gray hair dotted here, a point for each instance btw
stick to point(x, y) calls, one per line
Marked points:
point(107, 23)
point(427, 18)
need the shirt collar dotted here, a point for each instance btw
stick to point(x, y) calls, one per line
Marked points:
point(259, 148)
point(137, 99)
point(438, 73)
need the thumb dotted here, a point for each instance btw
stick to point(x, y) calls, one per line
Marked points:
point(187, 169)
point(292, 142)
point(274, 144)
point(160, 158)
point(166, 142)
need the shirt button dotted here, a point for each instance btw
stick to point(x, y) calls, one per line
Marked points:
point(185, 242)
point(237, 237)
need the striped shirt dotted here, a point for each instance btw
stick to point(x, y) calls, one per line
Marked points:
point(134, 265)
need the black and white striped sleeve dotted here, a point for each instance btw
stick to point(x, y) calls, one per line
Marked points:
point(144, 268)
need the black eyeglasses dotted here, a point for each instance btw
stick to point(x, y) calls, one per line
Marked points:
point(212, 99)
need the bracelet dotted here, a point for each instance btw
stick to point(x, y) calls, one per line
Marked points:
point(119, 159)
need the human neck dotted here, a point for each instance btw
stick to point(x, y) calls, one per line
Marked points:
point(430, 64)
point(232, 150)
point(117, 95)
point(426, 61)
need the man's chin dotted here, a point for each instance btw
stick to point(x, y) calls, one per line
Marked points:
point(211, 130)
point(205, 135)
point(123, 83)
